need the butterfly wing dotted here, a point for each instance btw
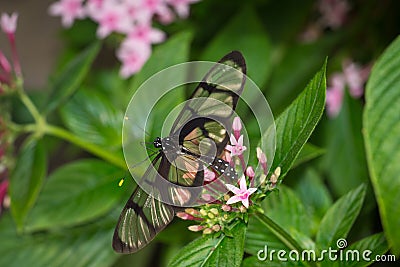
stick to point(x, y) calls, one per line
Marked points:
point(142, 218)
point(208, 112)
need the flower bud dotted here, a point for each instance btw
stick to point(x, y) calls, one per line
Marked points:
point(192, 211)
point(184, 216)
point(242, 209)
point(216, 228)
point(214, 211)
point(203, 212)
point(207, 231)
point(195, 228)
point(250, 172)
point(226, 207)
point(237, 127)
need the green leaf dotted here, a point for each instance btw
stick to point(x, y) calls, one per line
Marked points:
point(295, 125)
point(345, 159)
point(285, 209)
point(339, 219)
point(381, 131)
point(93, 118)
point(209, 251)
point(88, 245)
point(250, 39)
point(315, 196)
point(172, 52)
point(307, 153)
point(375, 243)
point(76, 193)
point(71, 77)
point(26, 180)
point(293, 65)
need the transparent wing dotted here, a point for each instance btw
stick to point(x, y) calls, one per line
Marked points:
point(209, 109)
point(142, 218)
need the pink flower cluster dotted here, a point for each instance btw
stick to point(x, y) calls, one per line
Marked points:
point(354, 77)
point(131, 18)
point(8, 73)
point(332, 14)
point(8, 24)
point(217, 215)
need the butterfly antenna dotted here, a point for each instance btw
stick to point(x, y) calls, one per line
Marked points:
point(143, 161)
point(136, 125)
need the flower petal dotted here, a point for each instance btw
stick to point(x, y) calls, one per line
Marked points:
point(245, 202)
point(243, 186)
point(233, 189)
point(251, 190)
point(233, 199)
point(233, 140)
point(240, 141)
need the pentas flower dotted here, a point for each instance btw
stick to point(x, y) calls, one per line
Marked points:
point(131, 18)
point(69, 10)
point(112, 18)
point(146, 34)
point(241, 194)
point(334, 94)
point(353, 77)
point(133, 54)
point(181, 6)
point(333, 12)
point(9, 23)
point(236, 147)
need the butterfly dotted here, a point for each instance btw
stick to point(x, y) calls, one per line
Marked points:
point(196, 141)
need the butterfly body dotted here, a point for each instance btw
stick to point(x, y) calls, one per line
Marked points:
point(193, 148)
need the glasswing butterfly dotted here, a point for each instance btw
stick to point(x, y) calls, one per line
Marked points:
point(198, 123)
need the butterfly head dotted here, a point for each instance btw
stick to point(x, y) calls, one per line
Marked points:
point(157, 143)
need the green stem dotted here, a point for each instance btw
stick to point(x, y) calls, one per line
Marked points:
point(28, 103)
point(282, 235)
point(94, 149)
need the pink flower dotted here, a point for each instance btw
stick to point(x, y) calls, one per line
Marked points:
point(236, 148)
point(334, 94)
point(147, 34)
point(159, 8)
point(9, 26)
point(334, 12)
point(133, 54)
point(69, 10)
point(138, 11)
point(112, 17)
point(9, 23)
point(355, 76)
point(181, 6)
point(241, 194)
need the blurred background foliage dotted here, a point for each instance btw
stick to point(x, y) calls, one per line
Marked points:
point(75, 199)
